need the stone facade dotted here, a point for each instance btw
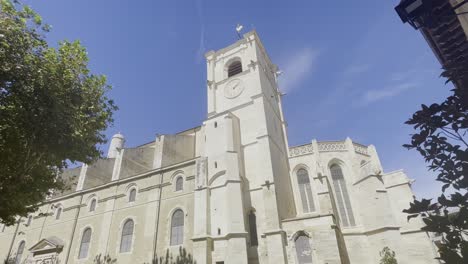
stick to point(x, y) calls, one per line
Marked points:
point(240, 194)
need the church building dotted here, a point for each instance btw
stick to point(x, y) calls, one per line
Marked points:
point(228, 191)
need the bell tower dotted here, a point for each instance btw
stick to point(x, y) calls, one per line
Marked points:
point(246, 160)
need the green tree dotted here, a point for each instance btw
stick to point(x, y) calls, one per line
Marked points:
point(53, 111)
point(441, 138)
point(387, 256)
point(107, 259)
point(182, 258)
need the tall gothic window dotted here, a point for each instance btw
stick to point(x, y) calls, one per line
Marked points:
point(127, 235)
point(29, 220)
point(253, 229)
point(179, 184)
point(303, 250)
point(342, 196)
point(177, 228)
point(305, 191)
point(58, 213)
point(19, 253)
point(92, 206)
point(234, 68)
point(132, 195)
point(85, 241)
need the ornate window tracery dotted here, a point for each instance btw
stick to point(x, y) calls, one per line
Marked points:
point(342, 196)
point(305, 191)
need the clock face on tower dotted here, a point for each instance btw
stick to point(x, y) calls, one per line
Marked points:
point(233, 88)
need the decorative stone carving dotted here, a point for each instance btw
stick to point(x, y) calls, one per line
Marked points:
point(200, 177)
point(368, 169)
point(360, 149)
point(301, 150)
point(332, 146)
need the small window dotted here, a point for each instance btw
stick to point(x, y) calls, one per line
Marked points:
point(58, 213)
point(234, 68)
point(3, 227)
point(303, 250)
point(19, 253)
point(179, 186)
point(28, 223)
point(177, 228)
point(92, 206)
point(85, 241)
point(127, 235)
point(132, 195)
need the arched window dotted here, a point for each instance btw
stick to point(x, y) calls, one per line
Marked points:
point(177, 228)
point(132, 195)
point(58, 213)
point(29, 220)
point(253, 229)
point(179, 186)
point(305, 191)
point(303, 250)
point(85, 241)
point(19, 253)
point(92, 206)
point(127, 235)
point(342, 196)
point(234, 68)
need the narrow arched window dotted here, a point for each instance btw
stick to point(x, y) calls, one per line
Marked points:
point(179, 186)
point(303, 250)
point(28, 223)
point(305, 190)
point(253, 229)
point(92, 206)
point(127, 236)
point(19, 253)
point(177, 228)
point(58, 213)
point(84, 245)
point(132, 195)
point(342, 196)
point(234, 68)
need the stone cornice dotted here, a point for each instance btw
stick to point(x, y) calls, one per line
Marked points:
point(120, 181)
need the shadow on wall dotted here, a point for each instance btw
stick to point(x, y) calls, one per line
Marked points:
point(182, 258)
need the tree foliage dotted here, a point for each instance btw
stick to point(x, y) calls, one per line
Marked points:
point(182, 258)
point(387, 256)
point(107, 259)
point(53, 110)
point(441, 138)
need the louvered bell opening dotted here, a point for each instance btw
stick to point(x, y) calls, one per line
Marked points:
point(234, 68)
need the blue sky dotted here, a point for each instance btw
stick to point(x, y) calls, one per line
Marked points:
point(351, 68)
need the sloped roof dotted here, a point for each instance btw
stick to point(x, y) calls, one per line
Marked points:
point(48, 243)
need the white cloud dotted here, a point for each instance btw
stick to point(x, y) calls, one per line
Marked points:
point(377, 95)
point(297, 68)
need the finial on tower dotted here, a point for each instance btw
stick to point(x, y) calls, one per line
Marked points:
point(239, 28)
